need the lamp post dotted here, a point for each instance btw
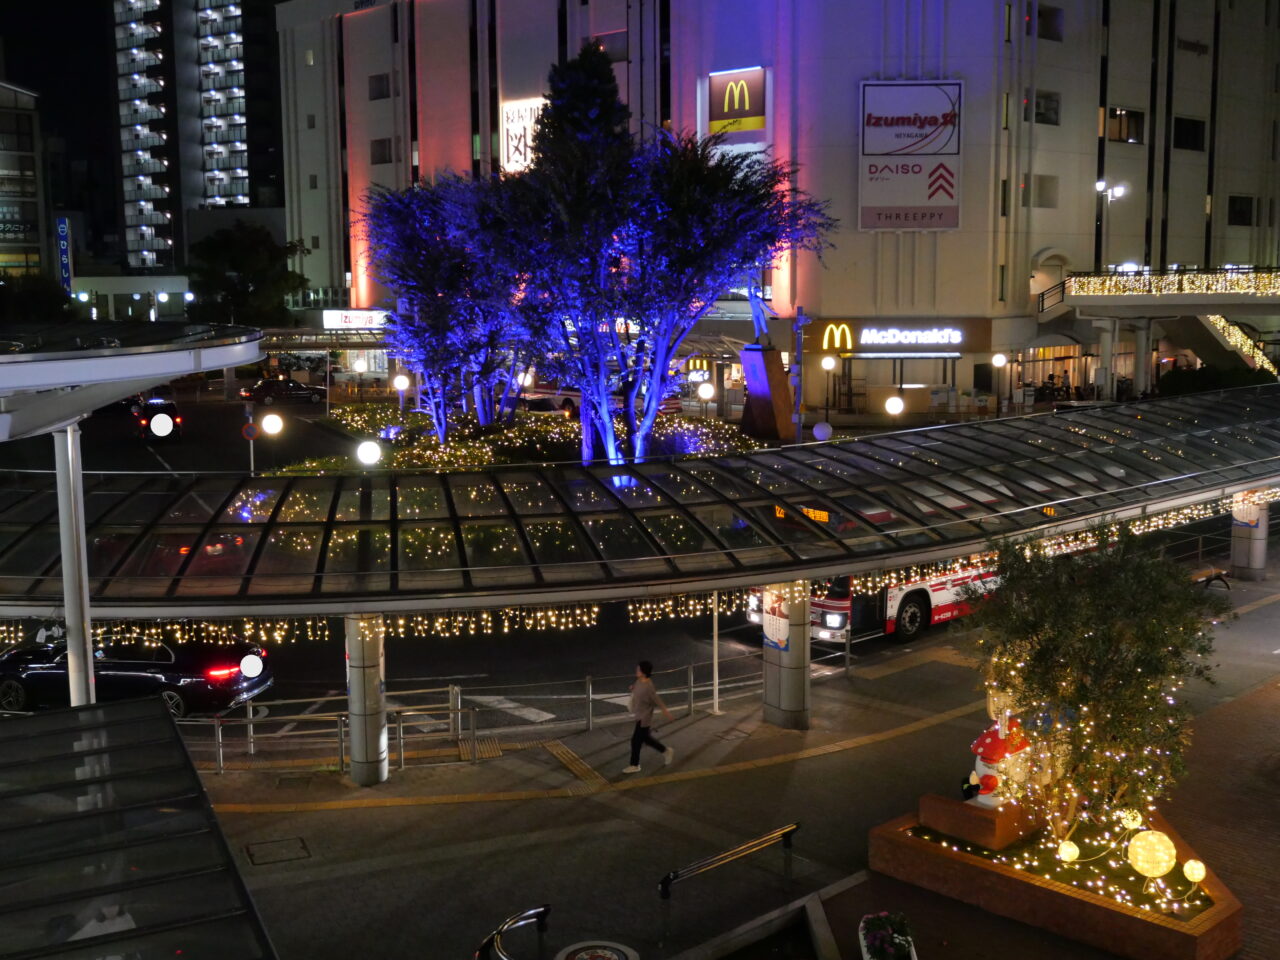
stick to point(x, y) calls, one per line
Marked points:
point(828, 364)
point(401, 383)
point(999, 361)
point(1106, 193)
point(361, 366)
point(272, 424)
point(894, 405)
point(706, 390)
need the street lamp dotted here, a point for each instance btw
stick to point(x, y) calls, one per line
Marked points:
point(272, 424)
point(361, 366)
point(401, 383)
point(369, 453)
point(999, 360)
point(706, 391)
point(895, 405)
point(828, 364)
point(1109, 192)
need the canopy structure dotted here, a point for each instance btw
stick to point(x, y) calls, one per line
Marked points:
point(166, 545)
point(111, 848)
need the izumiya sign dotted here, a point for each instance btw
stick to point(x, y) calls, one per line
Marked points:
point(909, 167)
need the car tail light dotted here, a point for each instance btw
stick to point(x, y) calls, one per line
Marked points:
point(221, 673)
point(177, 419)
point(144, 421)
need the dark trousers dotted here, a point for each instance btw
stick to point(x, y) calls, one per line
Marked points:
point(642, 735)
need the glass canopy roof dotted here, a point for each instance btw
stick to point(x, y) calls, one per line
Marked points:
point(514, 532)
point(111, 848)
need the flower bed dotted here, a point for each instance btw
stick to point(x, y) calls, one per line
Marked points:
point(885, 936)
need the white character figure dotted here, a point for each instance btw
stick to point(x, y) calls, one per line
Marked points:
point(1000, 767)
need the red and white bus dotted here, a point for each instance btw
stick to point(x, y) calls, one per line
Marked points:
point(903, 611)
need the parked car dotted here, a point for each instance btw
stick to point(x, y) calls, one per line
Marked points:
point(123, 407)
point(189, 677)
point(280, 390)
point(157, 419)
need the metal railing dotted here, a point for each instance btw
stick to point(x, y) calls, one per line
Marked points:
point(492, 946)
point(781, 835)
point(1053, 296)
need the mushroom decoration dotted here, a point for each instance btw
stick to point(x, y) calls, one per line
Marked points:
point(999, 766)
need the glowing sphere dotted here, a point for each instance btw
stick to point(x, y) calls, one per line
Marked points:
point(828, 363)
point(188, 296)
point(162, 424)
point(361, 365)
point(368, 453)
point(1067, 851)
point(162, 297)
point(1152, 853)
point(401, 382)
point(822, 430)
point(895, 405)
point(1130, 818)
point(251, 665)
point(272, 423)
point(1193, 870)
point(83, 296)
point(999, 360)
point(706, 391)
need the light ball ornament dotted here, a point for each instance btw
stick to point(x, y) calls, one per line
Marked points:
point(1152, 853)
point(369, 453)
point(1129, 818)
point(1067, 851)
point(822, 431)
point(1193, 870)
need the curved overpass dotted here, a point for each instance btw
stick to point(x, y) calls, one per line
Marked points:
point(220, 545)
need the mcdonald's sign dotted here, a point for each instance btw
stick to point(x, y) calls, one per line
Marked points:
point(736, 101)
point(837, 336)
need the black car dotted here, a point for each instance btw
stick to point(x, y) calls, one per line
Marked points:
point(157, 419)
point(189, 677)
point(282, 390)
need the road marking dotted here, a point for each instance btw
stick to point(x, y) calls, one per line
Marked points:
point(1250, 607)
point(532, 714)
point(164, 463)
point(452, 676)
point(312, 708)
point(932, 655)
point(423, 726)
point(587, 774)
point(741, 766)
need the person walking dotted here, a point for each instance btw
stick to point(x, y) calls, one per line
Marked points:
point(644, 697)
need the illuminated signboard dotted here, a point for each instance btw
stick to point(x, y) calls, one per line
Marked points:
point(907, 336)
point(354, 319)
point(518, 120)
point(892, 335)
point(735, 101)
point(820, 516)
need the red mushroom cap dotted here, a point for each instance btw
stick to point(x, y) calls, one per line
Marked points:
point(993, 748)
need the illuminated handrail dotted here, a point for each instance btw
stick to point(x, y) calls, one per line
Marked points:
point(754, 845)
point(1247, 281)
point(1242, 342)
point(493, 942)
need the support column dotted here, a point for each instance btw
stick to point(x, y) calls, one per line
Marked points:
point(75, 564)
point(1141, 357)
point(229, 391)
point(786, 654)
point(1249, 522)
point(1105, 378)
point(366, 698)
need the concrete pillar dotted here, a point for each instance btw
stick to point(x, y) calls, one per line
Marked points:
point(1249, 523)
point(366, 698)
point(786, 654)
point(1105, 378)
point(229, 383)
point(1142, 357)
point(75, 564)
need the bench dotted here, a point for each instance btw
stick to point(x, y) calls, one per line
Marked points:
point(1209, 575)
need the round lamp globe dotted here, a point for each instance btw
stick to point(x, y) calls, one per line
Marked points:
point(828, 363)
point(895, 405)
point(1152, 853)
point(401, 382)
point(706, 391)
point(822, 431)
point(272, 423)
point(368, 453)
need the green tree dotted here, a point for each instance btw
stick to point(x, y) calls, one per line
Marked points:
point(1090, 649)
point(33, 299)
point(240, 274)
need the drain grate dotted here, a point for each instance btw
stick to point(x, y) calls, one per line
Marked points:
point(734, 734)
point(277, 851)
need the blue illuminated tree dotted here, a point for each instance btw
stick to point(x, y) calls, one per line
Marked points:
point(457, 321)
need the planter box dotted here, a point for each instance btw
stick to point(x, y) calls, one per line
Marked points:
point(993, 828)
point(1057, 907)
point(862, 943)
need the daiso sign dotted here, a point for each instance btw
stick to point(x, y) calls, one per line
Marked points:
point(895, 169)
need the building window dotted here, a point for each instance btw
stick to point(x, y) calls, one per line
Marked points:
point(614, 45)
point(1188, 134)
point(1003, 282)
point(379, 86)
point(1124, 125)
point(315, 241)
point(1048, 107)
point(311, 121)
point(1239, 211)
point(1004, 113)
point(1043, 192)
point(309, 58)
point(313, 182)
point(1004, 198)
point(380, 151)
point(1049, 22)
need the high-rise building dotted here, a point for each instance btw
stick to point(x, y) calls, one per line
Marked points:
point(1048, 138)
point(199, 117)
point(23, 226)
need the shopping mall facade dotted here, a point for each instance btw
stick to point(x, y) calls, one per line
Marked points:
point(974, 152)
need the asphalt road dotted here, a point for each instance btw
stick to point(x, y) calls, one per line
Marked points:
point(211, 441)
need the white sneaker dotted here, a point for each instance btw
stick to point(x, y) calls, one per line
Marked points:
point(631, 769)
point(668, 755)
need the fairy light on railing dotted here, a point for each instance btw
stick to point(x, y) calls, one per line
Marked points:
point(1257, 283)
point(1241, 341)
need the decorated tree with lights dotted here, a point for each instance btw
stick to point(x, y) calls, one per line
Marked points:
point(458, 320)
point(1091, 649)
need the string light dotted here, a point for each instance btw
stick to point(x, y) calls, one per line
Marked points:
point(1260, 283)
point(1242, 342)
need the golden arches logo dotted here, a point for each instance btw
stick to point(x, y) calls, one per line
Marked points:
point(836, 334)
point(739, 90)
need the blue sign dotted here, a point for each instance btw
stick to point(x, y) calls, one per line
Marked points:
point(63, 232)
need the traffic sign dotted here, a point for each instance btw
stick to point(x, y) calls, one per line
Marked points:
point(250, 431)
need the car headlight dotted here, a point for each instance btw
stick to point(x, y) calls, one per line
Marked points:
point(834, 620)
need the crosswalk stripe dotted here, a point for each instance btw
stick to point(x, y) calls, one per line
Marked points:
point(532, 714)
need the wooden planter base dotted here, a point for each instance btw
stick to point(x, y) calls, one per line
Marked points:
point(1060, 908)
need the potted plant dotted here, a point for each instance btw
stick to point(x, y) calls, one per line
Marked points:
point(885, 936)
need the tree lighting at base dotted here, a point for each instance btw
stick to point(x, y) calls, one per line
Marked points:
point(895, 405)
point(369, 453)
point(1152, 853)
